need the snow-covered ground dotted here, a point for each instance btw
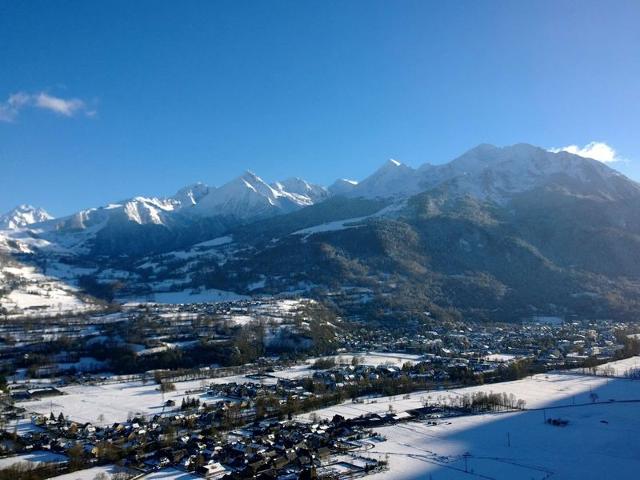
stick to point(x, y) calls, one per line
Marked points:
point(331, 226)
point(618, 368)
point(600, 438)
point(500, 357)
point(22, 426)
point(599, 442)
point(170, 474)
point(189, 296)
point(373, 359)
point(107, 403)
point(348, 223)
point(36, 457)
point(114, 402)
point(31, 293)
point(539, 391)
point(105, 471)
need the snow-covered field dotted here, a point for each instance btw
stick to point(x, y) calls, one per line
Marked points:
point(372, 359)
point(369, 358)
point(107, 403)
point(22, 426)
point(375, 359)
point(599, 442)
point(114, 402)
point(618, 368)
point(500, 357)
point(105, 472)
point(36, 457)
point(189, 296)
point(600, 438)
point(33, 294)
point(539, 391)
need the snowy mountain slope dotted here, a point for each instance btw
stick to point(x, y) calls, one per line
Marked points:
point(342, 186)
point(485, 172)
point(74, 234)
point(22, 216)
point(469, 232)
point(25, 292)
point(497, 174)
point(248, 196)
point(391, 180)
point(194, 214)
point(308, 192)
point(191, 194)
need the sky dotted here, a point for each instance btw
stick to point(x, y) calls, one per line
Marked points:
point(101, 101)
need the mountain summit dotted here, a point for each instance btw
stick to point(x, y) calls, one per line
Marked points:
point(499, 232)
point(22, 216)
point(249, 196)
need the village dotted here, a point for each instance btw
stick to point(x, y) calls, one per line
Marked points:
point(307, 402)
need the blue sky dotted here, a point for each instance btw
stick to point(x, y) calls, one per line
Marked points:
point(100, 101)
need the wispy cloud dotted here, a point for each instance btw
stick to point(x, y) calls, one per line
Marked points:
point(597, 150)
point(67, 107)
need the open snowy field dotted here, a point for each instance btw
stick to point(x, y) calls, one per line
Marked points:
point(33, 294)
point(374, 359)
point(36, 457)
point(114, 402)
point(106, 472)
point(539, 391)
point(620, 367)
point(599, 442)
point(104, 404)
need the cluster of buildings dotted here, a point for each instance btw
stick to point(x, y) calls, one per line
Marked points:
point(269, 449)
point(548, 341)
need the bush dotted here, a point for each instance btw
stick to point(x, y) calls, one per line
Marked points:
point(324, 363)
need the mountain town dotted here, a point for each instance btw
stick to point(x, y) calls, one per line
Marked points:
point(303, 240)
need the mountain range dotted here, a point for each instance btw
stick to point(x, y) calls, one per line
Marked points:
point(497, 233)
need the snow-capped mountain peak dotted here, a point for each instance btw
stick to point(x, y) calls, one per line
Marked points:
point(250, 196)
point(191, 194)
point(497, 173)
point(342, 186)
point(144, 210)
point(305, 190)
point(392, 179)
point(485, 172)
point(22, 216)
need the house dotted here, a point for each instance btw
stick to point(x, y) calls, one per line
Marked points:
point(213, 470)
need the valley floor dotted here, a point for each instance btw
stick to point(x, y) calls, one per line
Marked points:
point(600, 439)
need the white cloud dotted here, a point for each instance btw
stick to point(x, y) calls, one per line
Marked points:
point(67, 107)
point(10, 109)
point(597, 150)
